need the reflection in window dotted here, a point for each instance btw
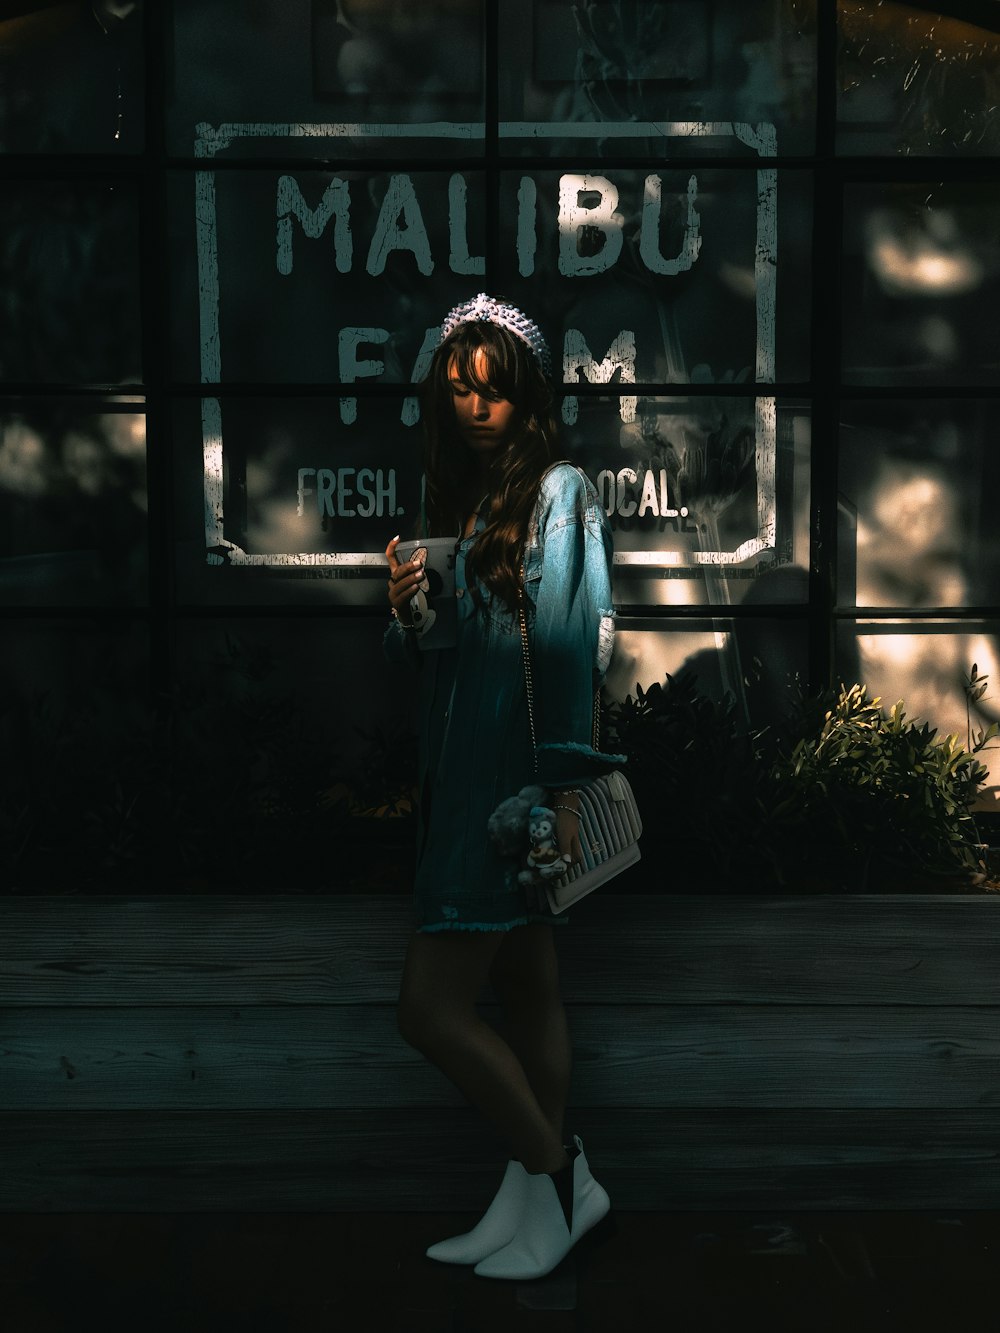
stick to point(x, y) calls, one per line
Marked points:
point(301, 488)
point(318, 276)
point(922, 279)
point(756, 661)
point(315, 62)
point(677, 267)
point(69, 282)
point(927, 665)
point(687, 61)
point(708, 498)
point(917, 486)
point(71, 78)
point(394, 56)
point(918, 83)
point(72, 506)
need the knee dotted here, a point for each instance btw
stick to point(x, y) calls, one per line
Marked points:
point(428, 1028)
point(416, 1023)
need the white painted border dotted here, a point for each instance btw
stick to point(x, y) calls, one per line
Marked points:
point(214, 139)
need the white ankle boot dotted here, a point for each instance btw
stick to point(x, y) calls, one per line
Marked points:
point(494, 1229)
point(560, 1207)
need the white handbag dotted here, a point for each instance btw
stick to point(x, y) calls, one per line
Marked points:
point(609, 817)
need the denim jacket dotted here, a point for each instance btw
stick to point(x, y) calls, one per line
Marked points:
point(567, 572)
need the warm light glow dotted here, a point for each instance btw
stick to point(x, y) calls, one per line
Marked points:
point(917, 512)
point(22, 461)
point(927, 672)
point(645, 657)
point(920, 269)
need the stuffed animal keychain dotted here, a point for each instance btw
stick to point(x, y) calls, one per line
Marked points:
point(522, 820)
point(545, 861)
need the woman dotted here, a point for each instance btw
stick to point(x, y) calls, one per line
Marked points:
point(493, 476)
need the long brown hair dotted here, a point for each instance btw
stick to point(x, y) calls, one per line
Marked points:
point(453, 480)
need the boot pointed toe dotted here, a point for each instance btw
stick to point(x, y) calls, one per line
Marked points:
point(495, 1228)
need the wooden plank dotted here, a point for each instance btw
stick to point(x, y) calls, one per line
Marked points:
point(685, 949)
point(638, 1056)
point(417, 1161)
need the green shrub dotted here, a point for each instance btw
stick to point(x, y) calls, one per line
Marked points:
point(874, 785)
point(839, 789)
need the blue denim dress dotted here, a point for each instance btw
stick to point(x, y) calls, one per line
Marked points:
point(475, 739)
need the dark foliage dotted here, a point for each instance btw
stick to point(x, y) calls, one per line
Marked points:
point(844, 797)
point(227, 785)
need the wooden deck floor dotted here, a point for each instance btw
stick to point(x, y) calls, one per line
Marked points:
point(188, 1272)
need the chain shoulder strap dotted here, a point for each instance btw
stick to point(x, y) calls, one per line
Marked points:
point(529, 686)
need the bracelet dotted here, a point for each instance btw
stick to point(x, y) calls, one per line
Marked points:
point(566, 807)
point(566, 791)
point(402, 623)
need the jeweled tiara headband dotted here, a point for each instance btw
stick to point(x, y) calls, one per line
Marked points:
point(488, 310)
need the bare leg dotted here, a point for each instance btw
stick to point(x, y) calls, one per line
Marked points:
point(525, 975)
point(443, 976)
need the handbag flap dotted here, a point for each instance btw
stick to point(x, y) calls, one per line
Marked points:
point(616, 834)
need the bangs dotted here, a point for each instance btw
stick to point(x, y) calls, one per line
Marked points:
point(505, 360)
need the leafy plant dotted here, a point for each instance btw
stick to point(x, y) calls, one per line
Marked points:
point(877, 786)
point(839, 788)
point(975, 687)
point(382, 781)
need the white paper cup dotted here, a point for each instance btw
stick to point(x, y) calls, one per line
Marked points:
point(438, 588)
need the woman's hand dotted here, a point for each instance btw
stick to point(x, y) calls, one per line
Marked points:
point(568, 826)
point(404, 581)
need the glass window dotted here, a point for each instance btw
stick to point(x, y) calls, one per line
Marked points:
point(326, 78)
point(917, 83)
point(918, 481)
point(679, 267)
point(281, 499)
point(69, 278)
point(921, 283)
point(304, 275)
point(72, 503)
point(326, 179)
point(731, 77)
point(708, 498)
point(757, 660)
point(71, 78)
point(927, 664)
point(352, 269)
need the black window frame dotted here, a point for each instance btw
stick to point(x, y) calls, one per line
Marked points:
point(150, 171)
